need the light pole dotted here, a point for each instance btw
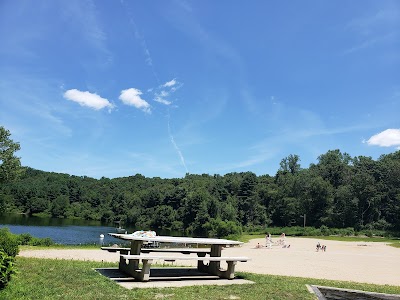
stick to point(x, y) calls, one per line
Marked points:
point(304, 220)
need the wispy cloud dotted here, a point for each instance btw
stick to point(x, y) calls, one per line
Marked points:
point(84, 15)
point(169, 83)
point(165, 90)
point(386, 138)
point(374, 29)
point(88, 99)
point(160, 99)
point(141, 39)
point(132, 97)
point(368, 25)
point(370, 43)
point(185, 20)
point(176, 146)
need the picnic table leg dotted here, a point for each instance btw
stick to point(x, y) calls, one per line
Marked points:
point(122, 261)
point(213, 266)
point(200, 264)
point(132, 265)
point(135, 250)
point(230, 272)
point(144, 274)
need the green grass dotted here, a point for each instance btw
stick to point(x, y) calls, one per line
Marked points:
point(58, 246)
point(67, 279)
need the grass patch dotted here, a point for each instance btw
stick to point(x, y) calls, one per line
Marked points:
point(68, 279)
point(59, 246)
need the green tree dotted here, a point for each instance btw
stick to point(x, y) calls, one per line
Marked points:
point(60, 206)
point(290, 164)
point(10, 165)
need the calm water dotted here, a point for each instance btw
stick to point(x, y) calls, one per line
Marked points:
point(61, 231)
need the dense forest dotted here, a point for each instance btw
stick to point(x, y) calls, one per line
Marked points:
point(338, 191)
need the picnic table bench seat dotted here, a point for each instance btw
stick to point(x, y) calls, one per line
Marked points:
point(143, 274)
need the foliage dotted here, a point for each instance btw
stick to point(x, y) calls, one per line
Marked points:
point(10, 165)
point(219, 228)
point(8, 251)
point(351, 194)
point(7, 268)
point(8, 242)
point(27, 239)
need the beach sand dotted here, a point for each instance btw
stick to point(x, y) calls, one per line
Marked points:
point(364, 262)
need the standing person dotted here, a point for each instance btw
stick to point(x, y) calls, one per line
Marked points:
point(268, 240)
point(282, 239)
point(318, 246)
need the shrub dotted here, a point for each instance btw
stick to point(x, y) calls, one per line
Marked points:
point(8, 242)
point(219, 228)
point(7, 268)
point(41, 242)
point(8, 251)
point(325, 230)
point(24, 239)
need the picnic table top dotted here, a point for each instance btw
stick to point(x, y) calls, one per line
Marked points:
point(175, 239)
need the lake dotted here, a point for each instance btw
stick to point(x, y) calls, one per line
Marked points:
point(61, 231)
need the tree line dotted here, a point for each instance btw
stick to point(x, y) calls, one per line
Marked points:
point(338, 191)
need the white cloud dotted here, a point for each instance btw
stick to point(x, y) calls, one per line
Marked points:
point(165, 90)
point(87, 99)
point(159, 99)
point(170, 83)
point(386, 138)
point(132, 97)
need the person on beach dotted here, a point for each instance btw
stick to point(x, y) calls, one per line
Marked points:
point(318, 246)
point(282, 240)
point(268, 239)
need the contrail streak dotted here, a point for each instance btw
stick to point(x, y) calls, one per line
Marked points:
point(176, 146)
point(142, 41)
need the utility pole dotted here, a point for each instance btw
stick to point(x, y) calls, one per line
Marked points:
point(304, 220)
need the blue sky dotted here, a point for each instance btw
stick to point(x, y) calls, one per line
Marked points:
point(165, 88)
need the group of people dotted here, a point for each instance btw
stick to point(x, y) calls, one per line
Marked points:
point(268, 241)
point(321, 247)
point(282, 242)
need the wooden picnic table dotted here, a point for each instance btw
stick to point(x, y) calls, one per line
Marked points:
point(130, 257)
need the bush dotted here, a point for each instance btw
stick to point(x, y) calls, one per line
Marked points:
point(8, 242)
point(24, 239)
point(7, 268)
point(8, 251)
point(325, 230)
point(219, 228)
point(41, 242)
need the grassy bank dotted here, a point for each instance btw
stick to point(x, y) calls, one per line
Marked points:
point(66, 279)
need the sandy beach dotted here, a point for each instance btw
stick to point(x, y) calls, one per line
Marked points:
point(365, 262)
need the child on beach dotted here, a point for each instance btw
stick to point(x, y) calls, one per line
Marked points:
point(268, 241)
